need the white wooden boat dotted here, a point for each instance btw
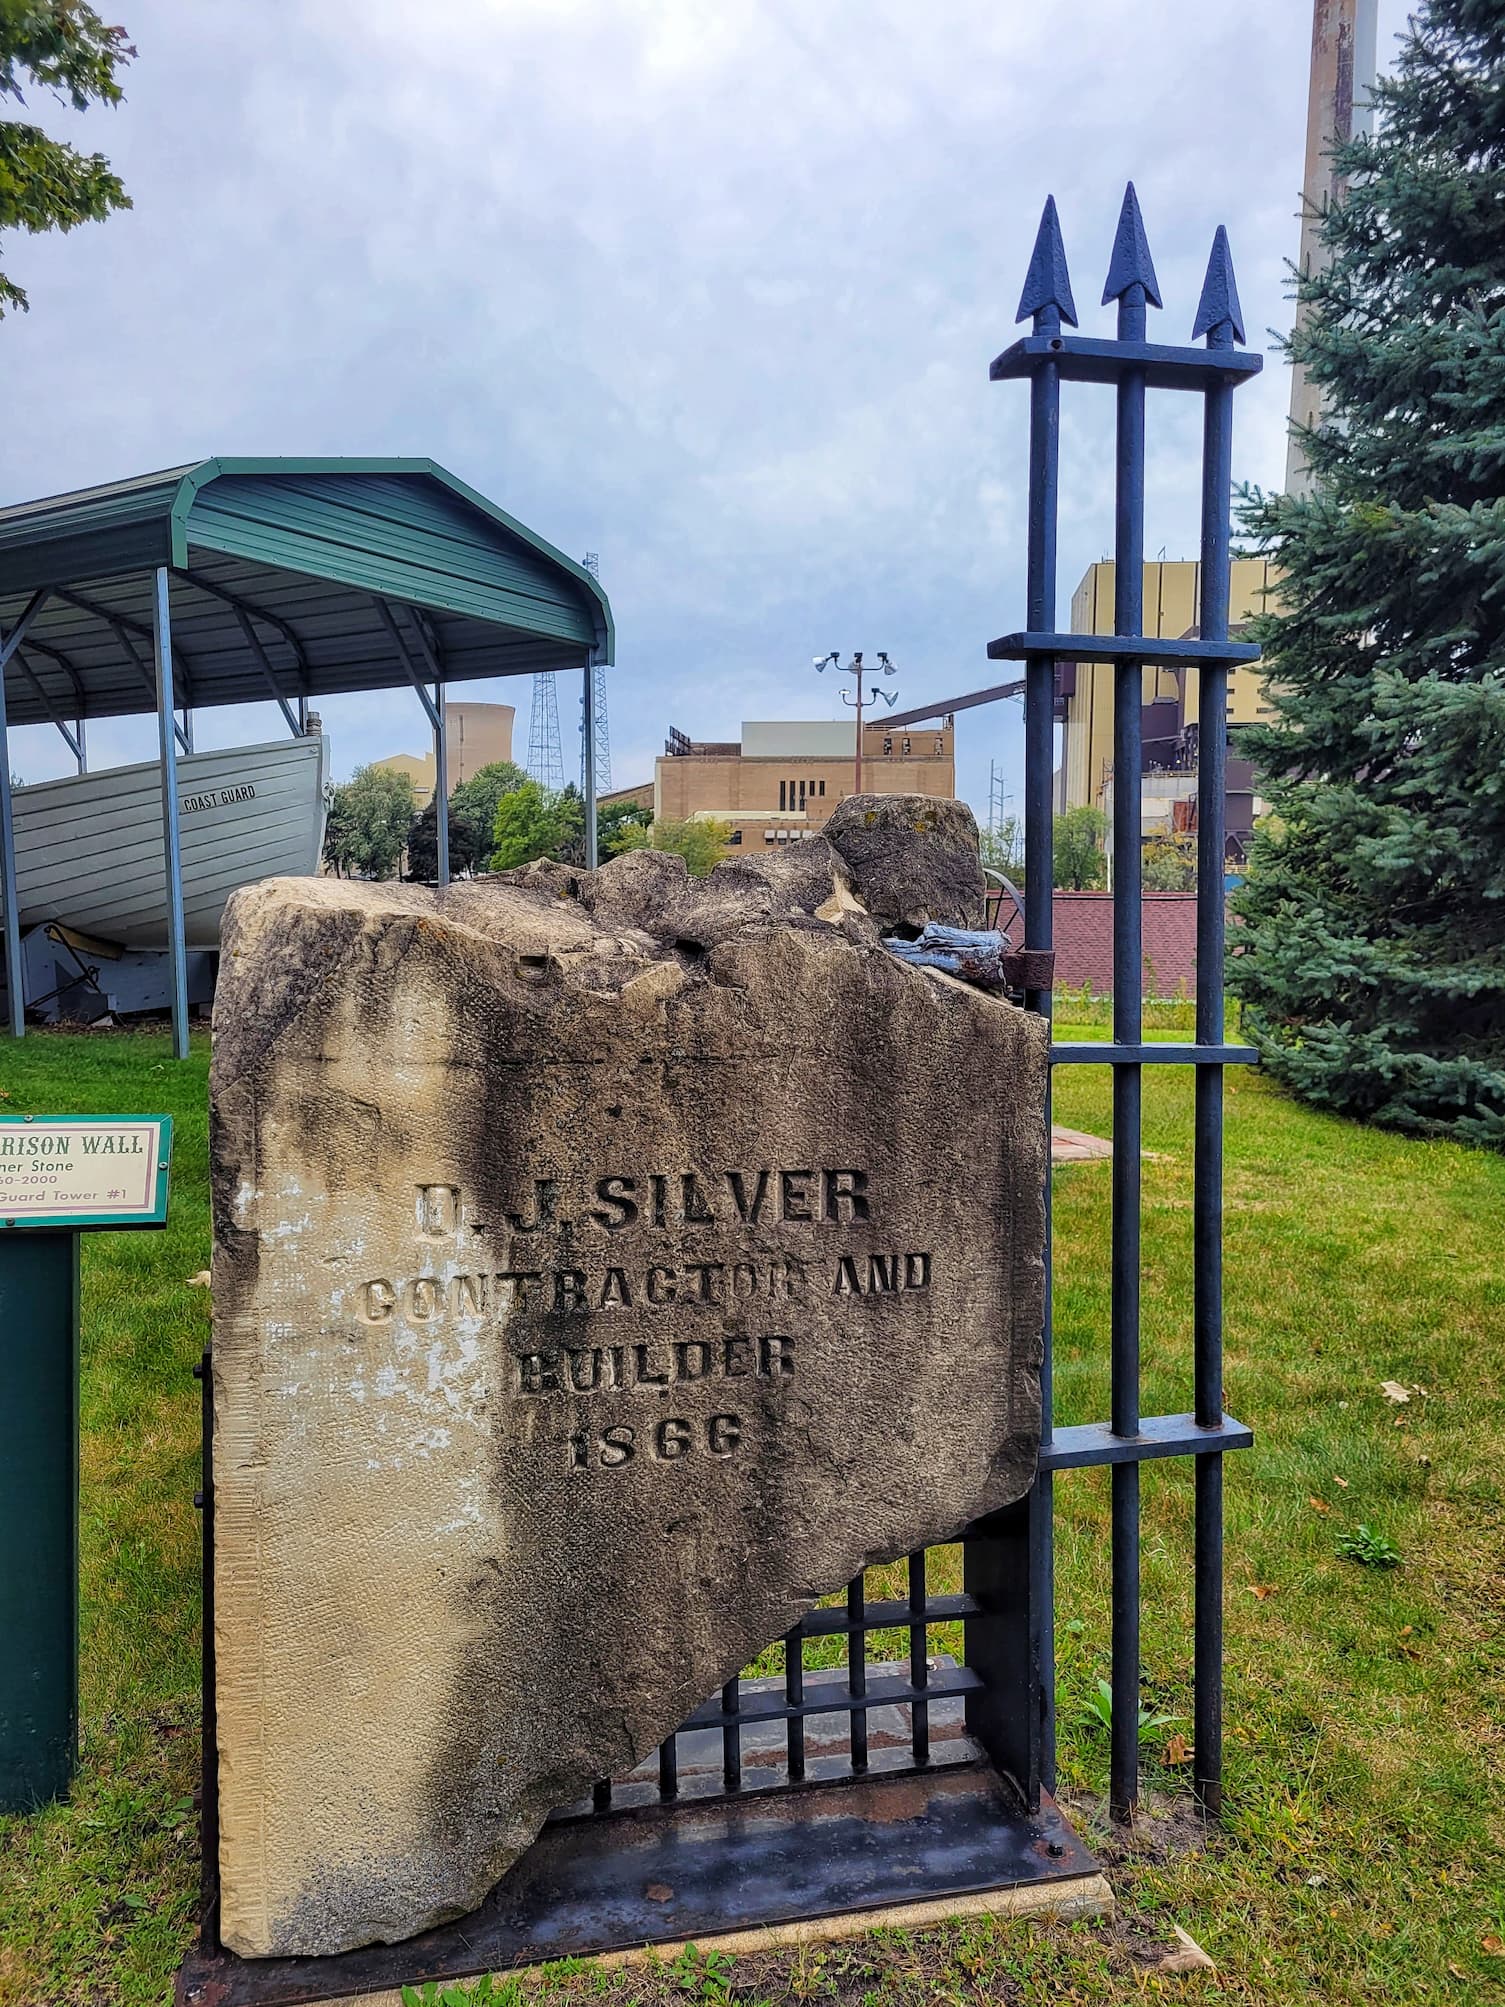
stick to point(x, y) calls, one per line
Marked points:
point(89, 850)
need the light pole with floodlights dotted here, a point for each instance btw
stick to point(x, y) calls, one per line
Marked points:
point(856, 668)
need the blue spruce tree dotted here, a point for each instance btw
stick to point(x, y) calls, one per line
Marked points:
point(1371, 958)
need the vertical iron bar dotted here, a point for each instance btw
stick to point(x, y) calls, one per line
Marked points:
point(857, 1670)
point(668, 1767)
point(794, 1694)
point(588, 763)
point(83, 745)
point(1128, 698)
point(171, 842)
point(919, 1660)
point(1207, 1196)
point(441, 785)
point(731, 1737)
point(1039, 933)
point(209, 1729)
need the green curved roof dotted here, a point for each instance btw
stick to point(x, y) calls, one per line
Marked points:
point(302, 550)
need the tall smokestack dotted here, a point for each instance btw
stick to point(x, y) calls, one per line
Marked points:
point(1338, 106)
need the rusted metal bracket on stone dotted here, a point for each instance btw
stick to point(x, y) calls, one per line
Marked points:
point(1030, 969)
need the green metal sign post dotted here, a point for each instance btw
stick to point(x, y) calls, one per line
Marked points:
point(58, 1176)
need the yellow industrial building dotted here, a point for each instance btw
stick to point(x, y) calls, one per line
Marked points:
point(1172, 609)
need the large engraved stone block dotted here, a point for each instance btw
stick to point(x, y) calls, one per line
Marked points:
point(607, 1266)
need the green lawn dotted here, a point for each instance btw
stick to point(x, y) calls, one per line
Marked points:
point(1363, 1855)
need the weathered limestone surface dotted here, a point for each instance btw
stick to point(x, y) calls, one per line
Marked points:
point(607, 1266)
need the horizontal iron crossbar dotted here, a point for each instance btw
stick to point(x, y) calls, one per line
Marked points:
point(1159, 1435)
point(883, 1690)
point(884, 1616)
point(1081, 360)
point(1150, 648)
point(1108, 1052)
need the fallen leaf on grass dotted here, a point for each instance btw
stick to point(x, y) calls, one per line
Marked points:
point(1394, 1391)
point(1177, 1750)
point(1260, 1590)
point(1189, 1958)
point(1341, 1482)
point(1495, 1946)
point(1456, 1971)
point(1319, 1505)
point(199, 1281)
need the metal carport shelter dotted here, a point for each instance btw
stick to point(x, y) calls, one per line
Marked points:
point(234, 581)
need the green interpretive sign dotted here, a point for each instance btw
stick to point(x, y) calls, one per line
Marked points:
point(84, 1170)
point(58, 1174)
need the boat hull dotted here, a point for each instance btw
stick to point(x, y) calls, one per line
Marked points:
point(89, 849)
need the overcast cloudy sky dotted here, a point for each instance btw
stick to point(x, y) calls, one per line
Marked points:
point(707, 286)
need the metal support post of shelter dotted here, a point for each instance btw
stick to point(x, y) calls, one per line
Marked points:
point(441, 788)
point(15, 984)
point(172, 846)
point(588, 761)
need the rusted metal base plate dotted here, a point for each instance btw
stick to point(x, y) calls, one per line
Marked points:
point(662, 1874)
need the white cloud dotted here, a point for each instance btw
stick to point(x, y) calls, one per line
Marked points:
point(710, 289)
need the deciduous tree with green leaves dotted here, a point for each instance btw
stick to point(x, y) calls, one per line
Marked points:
point(1003, 848)
point(64, 48)
point(533, 822)
point(619, 826)
point(701, 842)
point(368, 823)
point(1078, 860)
point(1371, 954)
point(474, 804)
point(1169, 864)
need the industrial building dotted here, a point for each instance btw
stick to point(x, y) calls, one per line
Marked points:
point(780, 781)
point(1084, 701)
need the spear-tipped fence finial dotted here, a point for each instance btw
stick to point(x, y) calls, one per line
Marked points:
point(1131, 264)
point(1219, 315)
point(1047, 283)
